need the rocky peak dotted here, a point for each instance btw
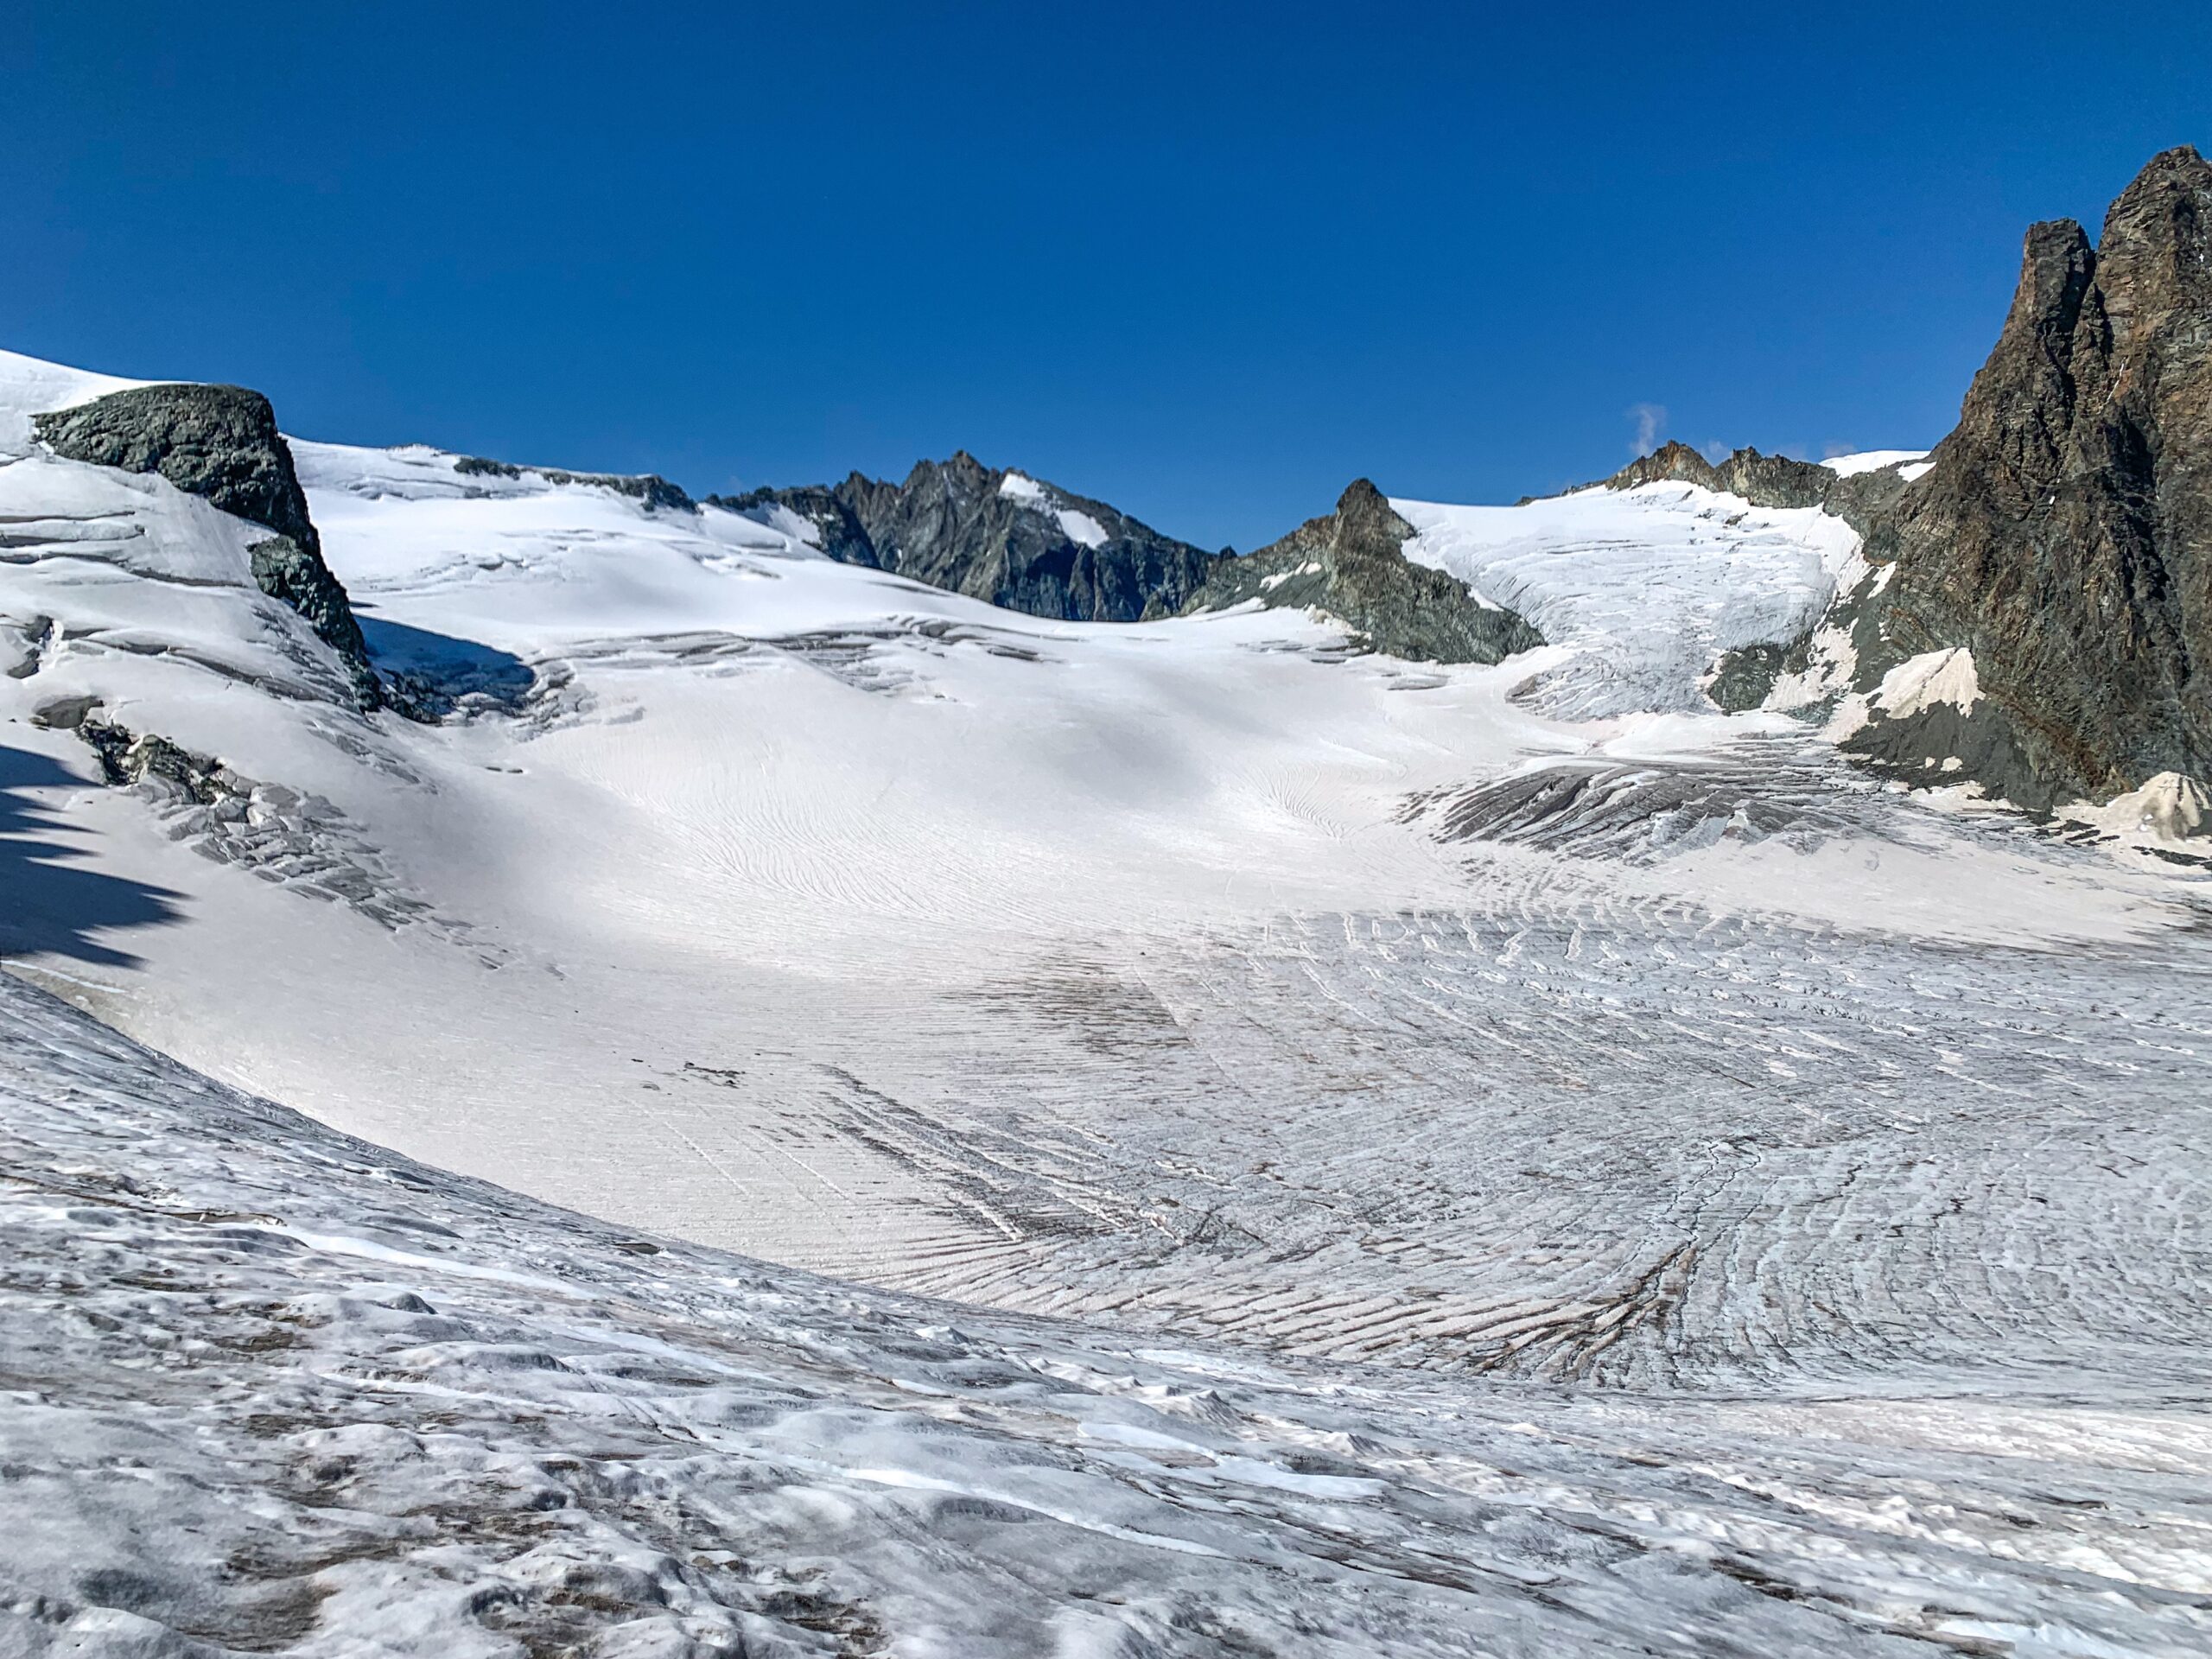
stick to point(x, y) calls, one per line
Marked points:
point(1009, 538)
point(1768, 481)
point(1672, 462)
point(1352, 565)
point(2064, 532)
point(1365, 525)
point(2151, 261)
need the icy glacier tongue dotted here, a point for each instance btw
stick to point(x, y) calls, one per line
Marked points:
point(268, 1388)
point(1642, 588)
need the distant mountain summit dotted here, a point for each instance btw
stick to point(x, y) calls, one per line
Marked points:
point(1858, 496)
point(1016, 541)
point(1000, 535)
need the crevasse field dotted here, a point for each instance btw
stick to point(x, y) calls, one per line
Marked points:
point(1311, 1154)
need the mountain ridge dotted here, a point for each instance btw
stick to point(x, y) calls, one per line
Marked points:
point(997, 534)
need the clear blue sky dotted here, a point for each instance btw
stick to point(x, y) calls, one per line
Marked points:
point(1206, 261)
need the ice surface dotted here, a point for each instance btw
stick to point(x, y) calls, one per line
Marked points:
point(273, 1389)
point(1541, 1167)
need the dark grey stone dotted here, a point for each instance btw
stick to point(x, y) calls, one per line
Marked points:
point(2064, 532)
point(843, 537)
point(649, 488)
point(1745, 676)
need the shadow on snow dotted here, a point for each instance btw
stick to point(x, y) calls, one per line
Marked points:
point(50, 906)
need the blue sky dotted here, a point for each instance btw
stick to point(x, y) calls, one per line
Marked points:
point(1208, 263)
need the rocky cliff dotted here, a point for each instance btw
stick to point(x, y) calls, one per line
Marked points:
point(1353, 564)
point(1001, 536)
point(222, 442)
point(2063, 535)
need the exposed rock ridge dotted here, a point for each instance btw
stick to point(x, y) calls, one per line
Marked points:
point(2059, 539)
point(649, 490)
point(221, 442)
point(1353, 564)
point(837, 531)
point(1000, 535)
point(1860, 499)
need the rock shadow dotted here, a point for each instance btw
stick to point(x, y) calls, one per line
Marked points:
point(48, 905)
point(436, 671)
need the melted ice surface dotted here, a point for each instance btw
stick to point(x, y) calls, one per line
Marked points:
point(281, 1391)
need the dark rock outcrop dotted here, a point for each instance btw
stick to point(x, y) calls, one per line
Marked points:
point(2064, 532)
point(649, 490)
point(1353, 564)
point(221, 442)
point(1745, 676)
point(838, 530)
point(1034, 548)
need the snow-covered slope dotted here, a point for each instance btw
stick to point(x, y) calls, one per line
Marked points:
point(1517, 1028)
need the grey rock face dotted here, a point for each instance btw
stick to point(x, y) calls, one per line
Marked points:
point(2064, 533)
point(1745, 676)
point(953, 525)
point(841, 533)
point(1353, 564)
point(221, 442)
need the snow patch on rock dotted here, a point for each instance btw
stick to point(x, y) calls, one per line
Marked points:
point(2167, 807)
point(1932, 677)
point(1871, 460)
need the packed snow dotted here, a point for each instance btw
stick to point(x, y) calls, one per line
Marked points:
point(1078, 526)
point(1907, 461)
point(1932, 677)
point(1533, 1164)
point(272, 1389)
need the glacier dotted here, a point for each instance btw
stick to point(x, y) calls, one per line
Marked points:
point(1156, 1138)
